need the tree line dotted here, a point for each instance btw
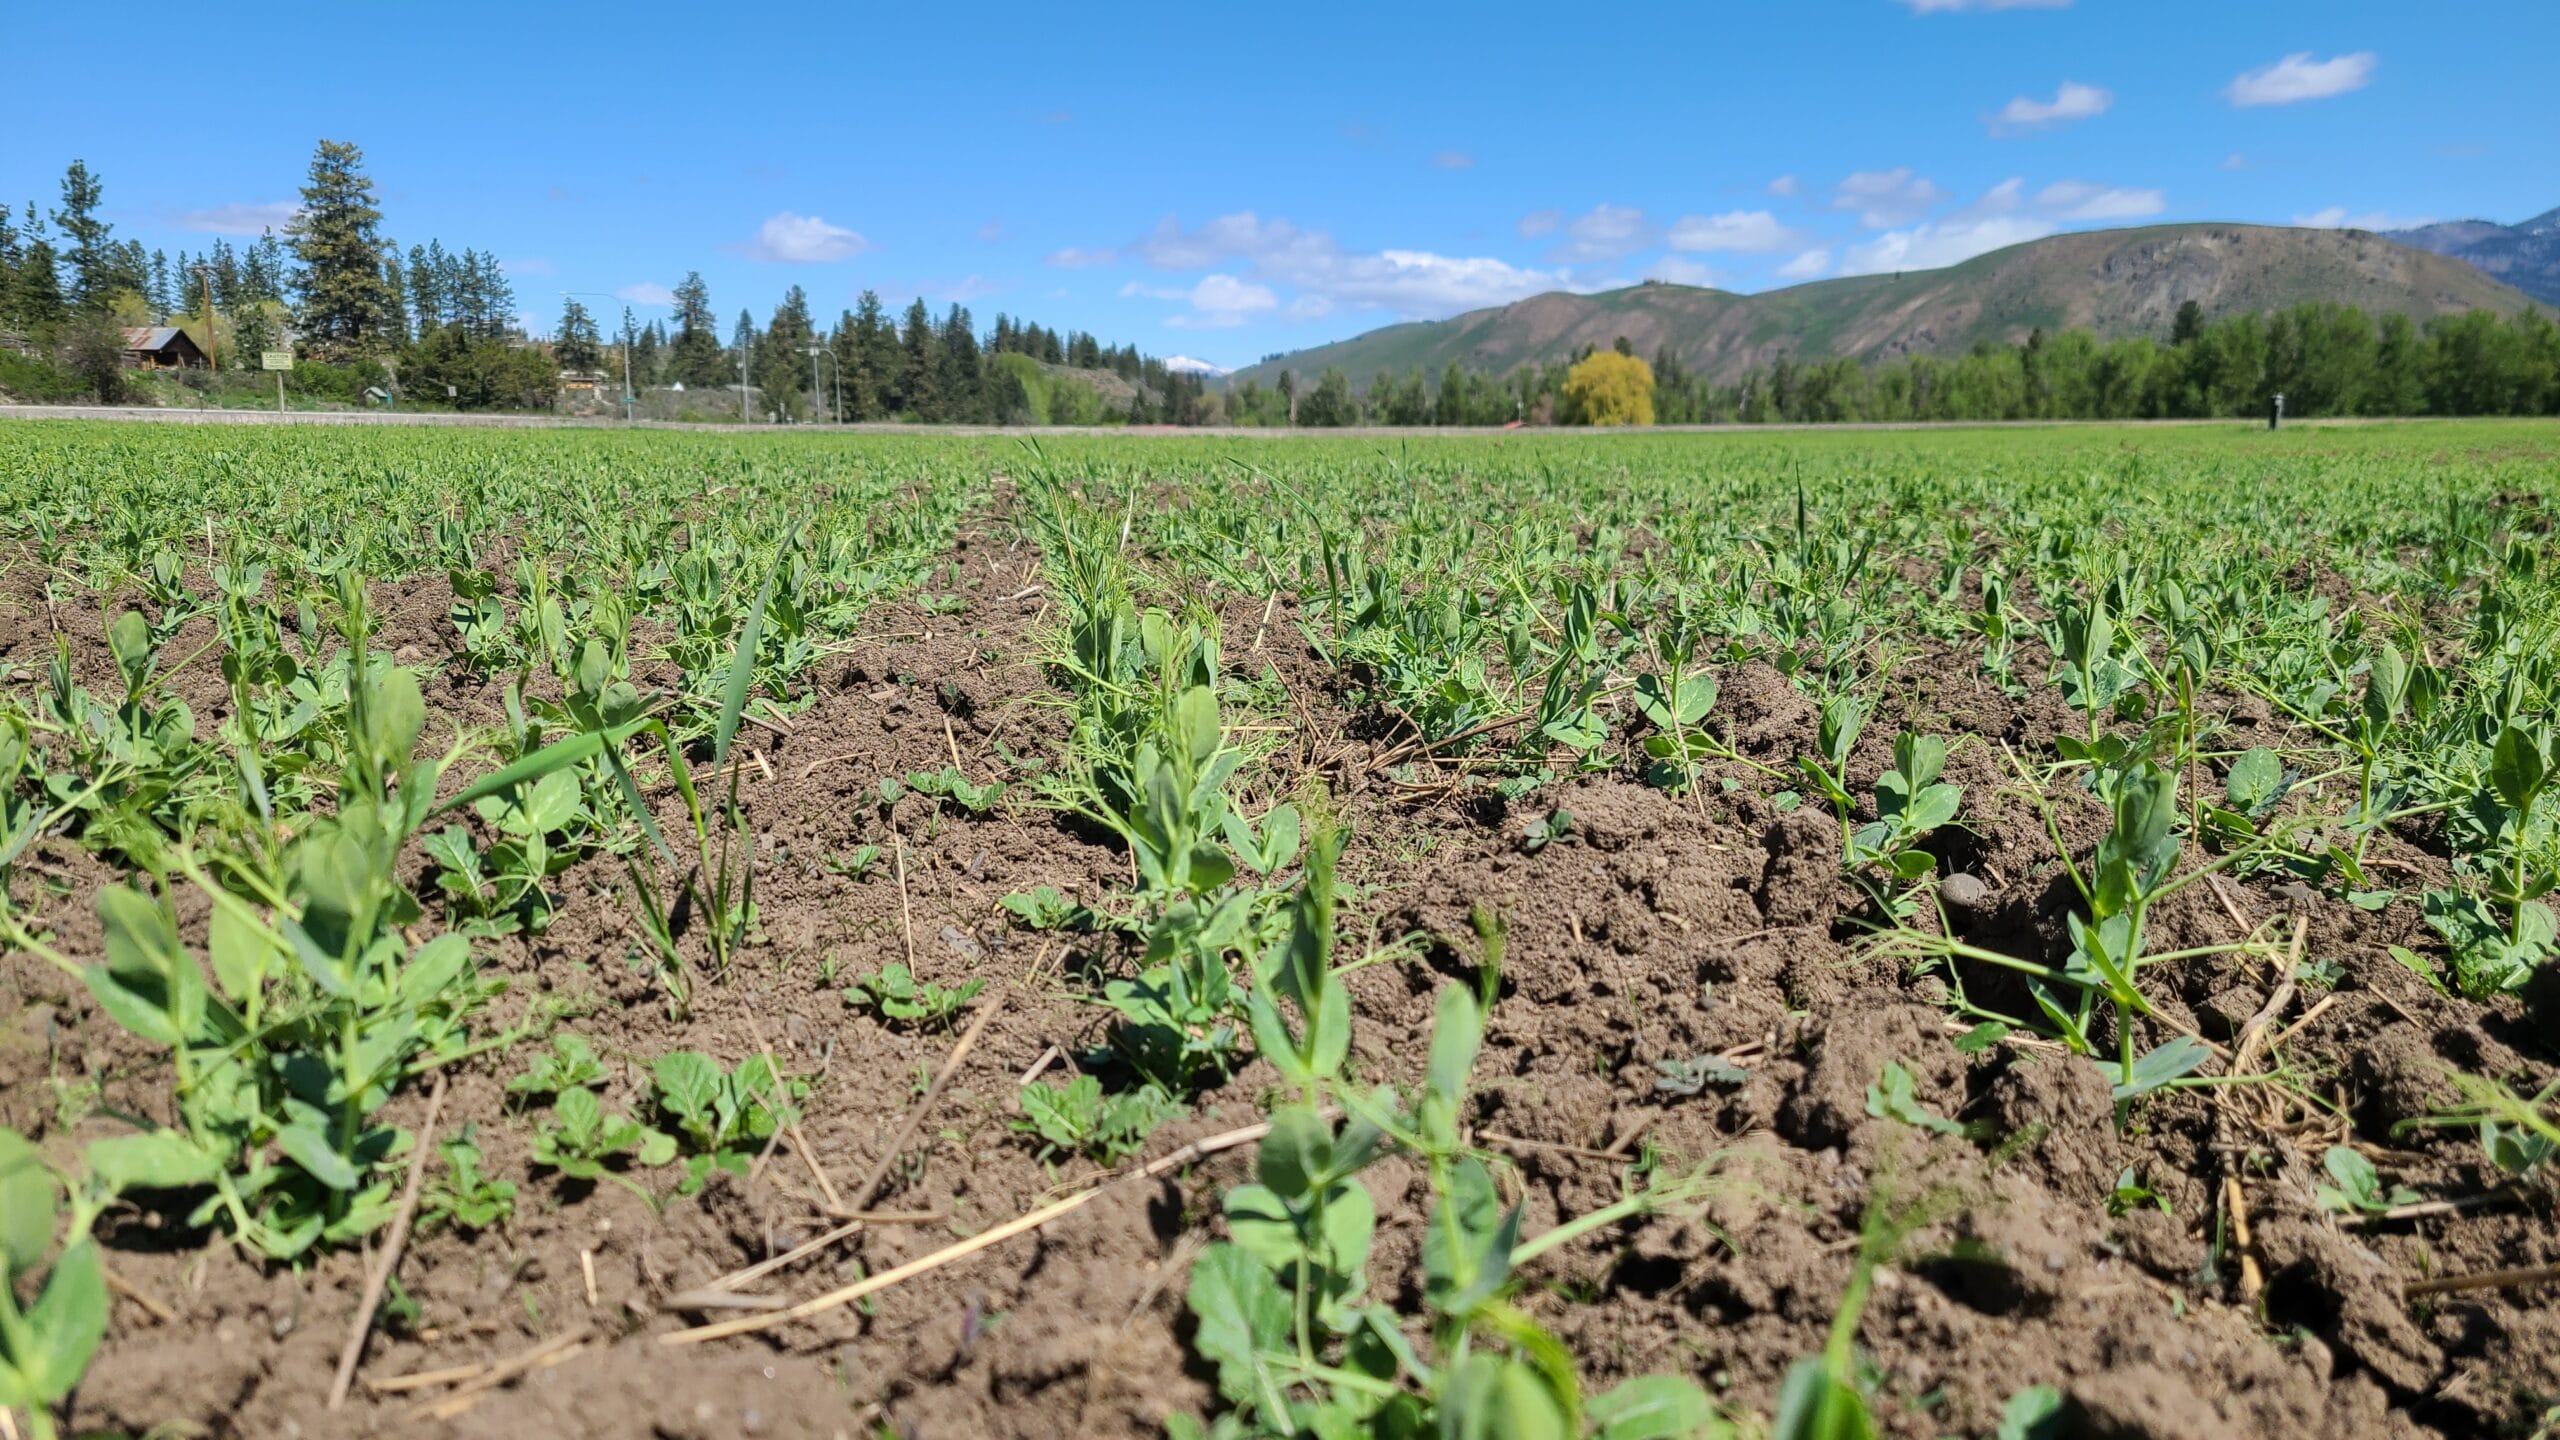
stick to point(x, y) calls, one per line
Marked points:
point(2326, 359)
point(444, 325)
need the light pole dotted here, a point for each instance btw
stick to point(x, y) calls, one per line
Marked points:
point(626, 346)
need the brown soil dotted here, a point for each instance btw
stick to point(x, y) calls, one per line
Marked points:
point(1660, 929)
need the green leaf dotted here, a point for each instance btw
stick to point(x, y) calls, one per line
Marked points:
point(2034, 1413)
point(1242, 1315)
point(742, 670)
point(1294, 1157)
point(29, 1196)
point(1650, 1407)
point(146, 961)
point(67, 1322)
point(2179, 1058)
point(2516, 766)
point(1895, 1096)
point(689, 1084)
point(158, 1160)
point(311, 1150)
point(1813, 1405)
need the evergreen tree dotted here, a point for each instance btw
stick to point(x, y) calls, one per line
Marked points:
point(576, 345)
point(426, 287)
point(346, 309)
point(867, 347)
point(693, 359)
point(959, 384)
point(12, 255)
point(738, 364)
point(89, 255)
point(395, 284)
point(782, 362)
point(163, 299)
point(919, 369)
point(648, 354)
point(226, 275)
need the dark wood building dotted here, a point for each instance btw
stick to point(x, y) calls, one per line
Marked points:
point(160, 347)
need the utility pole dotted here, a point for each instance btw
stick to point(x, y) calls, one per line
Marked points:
point(212, 347)
point(817, 396)
point(744, 393)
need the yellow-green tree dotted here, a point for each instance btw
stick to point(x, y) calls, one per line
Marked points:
point(1609, 389)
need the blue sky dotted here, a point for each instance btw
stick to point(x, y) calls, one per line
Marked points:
point(1226, 181)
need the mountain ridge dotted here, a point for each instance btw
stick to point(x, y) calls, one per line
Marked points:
point(2115, 282)
point(2525, 255)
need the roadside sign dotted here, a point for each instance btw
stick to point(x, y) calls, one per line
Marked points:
point(275, 359)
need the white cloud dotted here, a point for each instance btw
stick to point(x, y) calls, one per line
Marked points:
point(1680, 272)
point(1220, 301)
point(1949, 7)
point(1784, 185)
point(1806, 266)
point(251, 218)
point(793, 239)
point(529, 265)
point(2298, 77)
point(1884, 198)
point(1454, 160)
point(646, 292)
point(2074, 101)
point(2235, 161)
point(1540, 222)
point(2081, 200)
point(1927, 247)
point(1078, 257)
point(2336, 217)
point(1602, 233)
point(1749, 231)
point(1414, 284)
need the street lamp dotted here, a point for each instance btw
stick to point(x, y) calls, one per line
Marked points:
point(815, 395)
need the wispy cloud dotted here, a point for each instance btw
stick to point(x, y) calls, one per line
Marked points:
point(792, 239)
point(2082, 200)
point(1950, 7)
point(1885, 198)
point(1807, 266)
point(1603, 233)
point(1275, 254)
point(1540, 222)
point(2298, 77)
point(2073, 101)
point(1058, 117)
point(1680, 271)
point(1746, 231)
point(242, 218)
point(1079, 257)
point(2235, 161)
point(2004, 215)
point(530, 265)
point(1784, 186)
point(991, 232)
point(1217, 301)
point(2338, 217)
point(646, 292)
point(1454, 160)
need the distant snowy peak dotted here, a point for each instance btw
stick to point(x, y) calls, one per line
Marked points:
point(1189, 366)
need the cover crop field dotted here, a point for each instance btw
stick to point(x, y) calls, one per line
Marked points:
point(2018, 933)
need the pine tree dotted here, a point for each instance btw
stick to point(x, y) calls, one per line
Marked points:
point(226, 275)
point(577, 346)
point(12, 255)
point(346, 309)
point(959, 381)
point(88, 253)
point(426, 287)
point(693, 356)
point(782, 362)
point(397, 286)
point(163, 299)
point(917, 396)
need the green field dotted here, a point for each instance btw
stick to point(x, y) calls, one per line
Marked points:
point(1728, 934)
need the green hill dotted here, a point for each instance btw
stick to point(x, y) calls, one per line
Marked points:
point(2115, 282)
